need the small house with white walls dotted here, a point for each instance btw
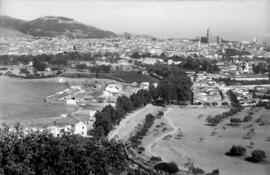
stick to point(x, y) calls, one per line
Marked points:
point(74, 127)
point(144, 85)
point(113, 90)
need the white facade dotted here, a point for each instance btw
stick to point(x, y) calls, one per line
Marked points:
point(144, 85)
point(80, 128)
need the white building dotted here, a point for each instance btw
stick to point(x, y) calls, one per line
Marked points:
point(144, 85)
point(79, 128)
point(113, 90)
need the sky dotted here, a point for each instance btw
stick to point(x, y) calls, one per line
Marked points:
point(230, 19)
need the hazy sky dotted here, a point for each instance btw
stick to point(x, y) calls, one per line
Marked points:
point(231, 19)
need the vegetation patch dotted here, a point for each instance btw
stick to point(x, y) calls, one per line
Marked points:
point(236, 151)
point(136, 139)
point(256, 156)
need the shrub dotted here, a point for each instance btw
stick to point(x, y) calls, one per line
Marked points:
point(196, 171)
point(167, 167)
point(225, 103)
point(214, 172)
point(160, 113)
point(247, 118)
point(236, 151)
point(155, 159)
point(235, 120)
point(257, 156)
point(141, 150)
point(214, 120)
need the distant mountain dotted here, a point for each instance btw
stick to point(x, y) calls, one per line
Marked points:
point(8, 22)
point(50, 26)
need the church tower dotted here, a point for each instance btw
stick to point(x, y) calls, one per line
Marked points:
point(208, 34)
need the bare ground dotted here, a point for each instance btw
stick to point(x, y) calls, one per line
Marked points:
point(205, 145)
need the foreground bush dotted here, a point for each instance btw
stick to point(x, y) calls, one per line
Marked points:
point(256, 156)
point(155, 159)
point(43, 154)
point(170, 168)
point(237, 151)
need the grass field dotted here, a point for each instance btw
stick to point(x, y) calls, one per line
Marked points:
point(23, 100)
point(193, 140)
point(129, 77)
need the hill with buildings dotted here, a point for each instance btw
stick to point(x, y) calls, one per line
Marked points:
point(50, 26)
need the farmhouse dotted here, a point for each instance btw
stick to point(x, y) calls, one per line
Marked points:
point(144, 85)
point(113, 90)
point(75, 127)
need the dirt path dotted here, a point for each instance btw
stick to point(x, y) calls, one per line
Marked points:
point(154, 142)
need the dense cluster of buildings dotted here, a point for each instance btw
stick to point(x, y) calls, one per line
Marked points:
point(208, 46)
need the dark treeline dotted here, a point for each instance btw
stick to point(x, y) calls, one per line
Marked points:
point(233, 52)
point(136, 139)
point(41, 153)
point(174, 88)
point(94, 68)
point(230, 82)
point(235, 107)
point(56, 59)
point(188, 63)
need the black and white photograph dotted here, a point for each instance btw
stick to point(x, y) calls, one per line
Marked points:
point(134, 87)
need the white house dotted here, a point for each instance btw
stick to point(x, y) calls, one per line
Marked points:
point(80, 128)
point(144, 85)
point(71, 102)
point(113, 90)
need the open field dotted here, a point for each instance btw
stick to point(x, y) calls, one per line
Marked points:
point(193, 140)
point(129, 76)
point(23, 100)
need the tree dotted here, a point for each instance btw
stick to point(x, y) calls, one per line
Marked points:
point(81, 67)
point(24, 71)
point(38, 65)
point(237, 151)
point(257, 156)
point(170, 168)
point(41, 153)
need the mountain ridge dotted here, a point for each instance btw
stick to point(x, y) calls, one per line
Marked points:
point(54, 26)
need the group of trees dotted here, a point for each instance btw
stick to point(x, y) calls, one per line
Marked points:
point(110, 116)
point(57, 59)
point(260, 68)
point(235, 107)
point(188, 63)
point(174, 88)
point(199, 64)
point(256, 155)
point(233, 52)
point(41, 153)
point(136, 139)
point(96, 68)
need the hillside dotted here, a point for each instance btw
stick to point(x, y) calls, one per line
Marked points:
point(11, 23)
point(51, 26)
point(9, 32)
point(60, 26)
